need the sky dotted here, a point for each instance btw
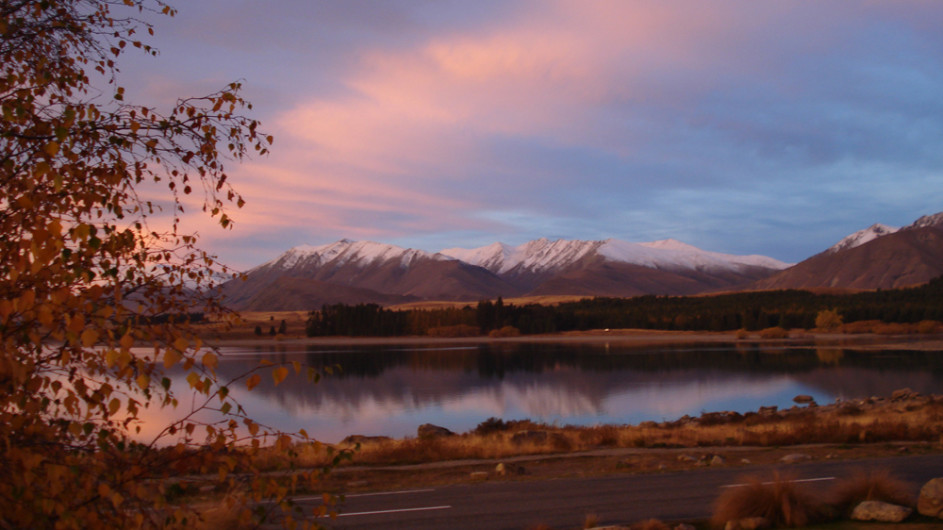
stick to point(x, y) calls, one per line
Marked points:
point(737, 126)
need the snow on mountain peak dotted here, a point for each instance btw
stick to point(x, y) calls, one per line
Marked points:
point(929, 220)
point(861, 237)
point(542, 255)
point(674, 254)
point(670, 244)
point(345, 251)
point(536, 256)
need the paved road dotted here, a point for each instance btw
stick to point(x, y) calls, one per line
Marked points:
point(564, 503)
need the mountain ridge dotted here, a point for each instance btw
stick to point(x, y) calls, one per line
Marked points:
point(349, 271)
point(878, 257)
point(306, 277)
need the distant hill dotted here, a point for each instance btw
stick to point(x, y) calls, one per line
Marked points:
point(352, 272)
point(876, 258)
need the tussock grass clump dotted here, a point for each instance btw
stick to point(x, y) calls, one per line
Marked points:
point(917, 419)
point(780, 501)
point(229, 512)
point(875, 485)
point(651, 524)
point(491, 425)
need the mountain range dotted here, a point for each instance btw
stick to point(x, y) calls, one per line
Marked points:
point(307, 277)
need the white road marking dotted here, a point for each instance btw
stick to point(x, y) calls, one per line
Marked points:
point(819, 479)
point(403, 492)
point(399, 510)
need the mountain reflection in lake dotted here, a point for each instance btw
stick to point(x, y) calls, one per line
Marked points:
point(392, 390)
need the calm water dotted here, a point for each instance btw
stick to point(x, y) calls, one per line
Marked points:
point(392, 390)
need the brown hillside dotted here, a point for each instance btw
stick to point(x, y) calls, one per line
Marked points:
point(909, 257)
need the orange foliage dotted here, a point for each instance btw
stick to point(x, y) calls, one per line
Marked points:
point(84, 278)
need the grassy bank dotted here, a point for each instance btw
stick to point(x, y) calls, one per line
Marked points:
point(903, 417)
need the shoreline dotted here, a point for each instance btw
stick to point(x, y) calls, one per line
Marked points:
point(620, 337)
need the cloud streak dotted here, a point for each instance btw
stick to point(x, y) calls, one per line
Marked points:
point(736, 126)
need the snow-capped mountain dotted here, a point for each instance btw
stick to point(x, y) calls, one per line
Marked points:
point(929, 221)
point(861, 237)
point(306, 277)
point(543, 255)
point(878, 257)
point(540, 255)
point(347, 252)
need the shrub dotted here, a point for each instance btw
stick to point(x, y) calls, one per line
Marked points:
point(929, 326)
point(742, 334)
point(779, 501)
point(892, 328)
point(828, 319)
point(876, 485)
point(506, 331)
point(774, 333)
point(491, 425)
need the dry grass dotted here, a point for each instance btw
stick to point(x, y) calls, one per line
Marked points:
point(774, 333)
point(230, 512)
point(877, 485)
point(780, 501)
point(895, 328)
point(916, 420)
point(518, 301)
point(243, 328)
point(651, 524)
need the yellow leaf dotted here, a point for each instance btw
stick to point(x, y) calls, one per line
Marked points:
point(143, 381)
point(195, 382)
point(127, 341)
point(297, 366)
point(114, 405)
point(110, 357)
point(171, 357)
point(181, 344)
point(76, 324)
point(253, 381)
point(124, 359)
point(52, 148)
point(279, 374)
point(210, 360)
point(89, 337)
point(253, 428)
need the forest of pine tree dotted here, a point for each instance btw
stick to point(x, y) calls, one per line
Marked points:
point(789, 309)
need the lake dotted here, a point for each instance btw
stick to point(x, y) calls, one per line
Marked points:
point(391, 390)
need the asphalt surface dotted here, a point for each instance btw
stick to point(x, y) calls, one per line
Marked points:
point(614, 499)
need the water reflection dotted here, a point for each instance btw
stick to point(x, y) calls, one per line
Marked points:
point(392, 390)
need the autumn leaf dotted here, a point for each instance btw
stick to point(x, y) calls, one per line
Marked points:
point(210, 360)
point(279, 374)
point(171, 357)
point(89, 337)
point(253, 381)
